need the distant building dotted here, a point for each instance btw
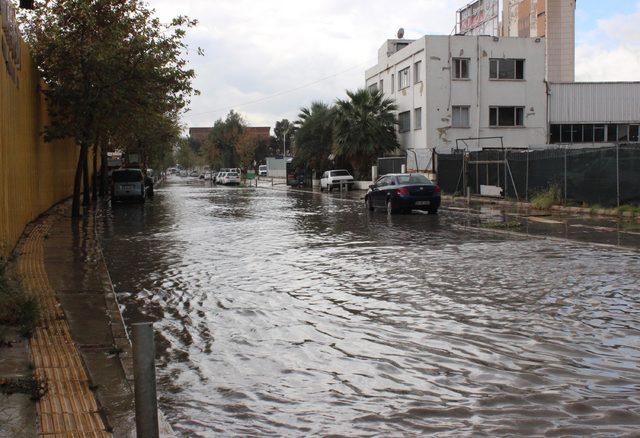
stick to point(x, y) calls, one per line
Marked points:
point(201, 134)
point(262, 132)
point(553, 20)
point(456, 87)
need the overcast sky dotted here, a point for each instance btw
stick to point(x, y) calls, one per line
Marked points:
point(302, 51)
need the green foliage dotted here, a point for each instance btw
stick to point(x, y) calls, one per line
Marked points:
point(545, 199)
point(283, 130)
point(184, 154)
point(502, 225)
point(114, 75)
point(364, 128)
point(314, 136)
point(17, 309)
point(219, 149)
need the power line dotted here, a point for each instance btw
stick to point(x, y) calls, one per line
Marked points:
point(281, 93)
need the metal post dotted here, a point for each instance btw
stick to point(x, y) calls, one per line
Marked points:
point(526, 195)
point(144, 371)
point(565, 175)
point(618, 173)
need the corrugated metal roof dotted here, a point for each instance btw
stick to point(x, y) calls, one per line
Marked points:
point(594, 102)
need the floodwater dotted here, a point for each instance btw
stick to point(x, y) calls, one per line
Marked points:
point(282, 313)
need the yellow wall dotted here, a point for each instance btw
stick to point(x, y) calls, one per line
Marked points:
point(34, 175)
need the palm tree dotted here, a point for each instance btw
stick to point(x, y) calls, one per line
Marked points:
point(364, 128)
point(314, 135)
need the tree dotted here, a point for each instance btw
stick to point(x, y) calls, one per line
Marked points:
point(284, 131)
point(364, 128)
point(314, 136)
point(109, 67)
point(246, 149)
point(184, 154)
point(223, 139)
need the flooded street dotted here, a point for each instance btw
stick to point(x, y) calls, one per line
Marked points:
point(290, 313)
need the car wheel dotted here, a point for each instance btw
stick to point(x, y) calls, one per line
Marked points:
point(367, 204)
point(390, 209)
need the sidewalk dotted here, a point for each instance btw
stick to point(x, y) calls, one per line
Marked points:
point(81, 347)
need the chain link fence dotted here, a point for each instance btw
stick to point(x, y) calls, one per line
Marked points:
point(608, 176)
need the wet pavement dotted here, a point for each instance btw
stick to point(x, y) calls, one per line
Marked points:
point(293, 313)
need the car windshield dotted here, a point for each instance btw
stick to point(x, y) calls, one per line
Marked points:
point(232, 174)
point(339, 173)
point(413, 178)
point(130, 175)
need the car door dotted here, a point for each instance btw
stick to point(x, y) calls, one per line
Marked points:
point(377, 194)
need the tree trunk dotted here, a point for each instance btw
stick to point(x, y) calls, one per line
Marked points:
point(86, 193)
point(104, 171)
point(94, 182)
point(75, 204)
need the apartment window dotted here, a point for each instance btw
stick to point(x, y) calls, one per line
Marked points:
point(460, 68)
point(416, 72)
point(380, 85)
point(373, 88)
point(417, 118)
point(403, 78)
point(599, 133)
point(589, 133)
point(505, 116)
point(506, 69)
point(392, 82)
point(404, 121)
point(587, 136)
point(633, 133)
point(460, 117)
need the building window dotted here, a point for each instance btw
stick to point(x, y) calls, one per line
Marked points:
point(417, 118)
point(404, 121)
point(506, 69)
point(460, 68)
point(380, 85)
point(416, 72)
point(373, 88)
point(403, 78)
point(589, 133)
point(506, 116)
point(392, 82)
point(460, 117)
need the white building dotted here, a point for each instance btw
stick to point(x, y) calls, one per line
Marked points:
point(457, 87)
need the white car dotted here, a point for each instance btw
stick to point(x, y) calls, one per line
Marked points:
point(334, 178)
point(229, 179)
point(263, 170)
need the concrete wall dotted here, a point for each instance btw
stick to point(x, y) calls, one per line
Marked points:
point(437, 91)
point(34, 175)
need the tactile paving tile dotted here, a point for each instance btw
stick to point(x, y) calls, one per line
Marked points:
point(69, 408)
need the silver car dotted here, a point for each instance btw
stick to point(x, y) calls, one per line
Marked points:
point(128, 184)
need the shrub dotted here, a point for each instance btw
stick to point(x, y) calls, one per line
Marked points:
point(545, 199)
point(17, 309)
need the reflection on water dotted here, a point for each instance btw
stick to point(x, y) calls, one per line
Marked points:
point(290, 313)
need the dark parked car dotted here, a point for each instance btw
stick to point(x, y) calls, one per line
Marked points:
point(402, 193)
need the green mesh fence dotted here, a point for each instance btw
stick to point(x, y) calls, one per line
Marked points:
point(593, 176)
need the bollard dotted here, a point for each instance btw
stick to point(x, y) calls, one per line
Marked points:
point(144, 371)
point(271, 181)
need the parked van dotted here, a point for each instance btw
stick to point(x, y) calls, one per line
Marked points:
point(128, 184)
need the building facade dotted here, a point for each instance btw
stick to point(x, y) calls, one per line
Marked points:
point(449, 88)
point(594, 113)
point(553, 20)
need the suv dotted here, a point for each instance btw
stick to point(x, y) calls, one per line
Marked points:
point(334, 178)
point(128, 184)
point(263, 170)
